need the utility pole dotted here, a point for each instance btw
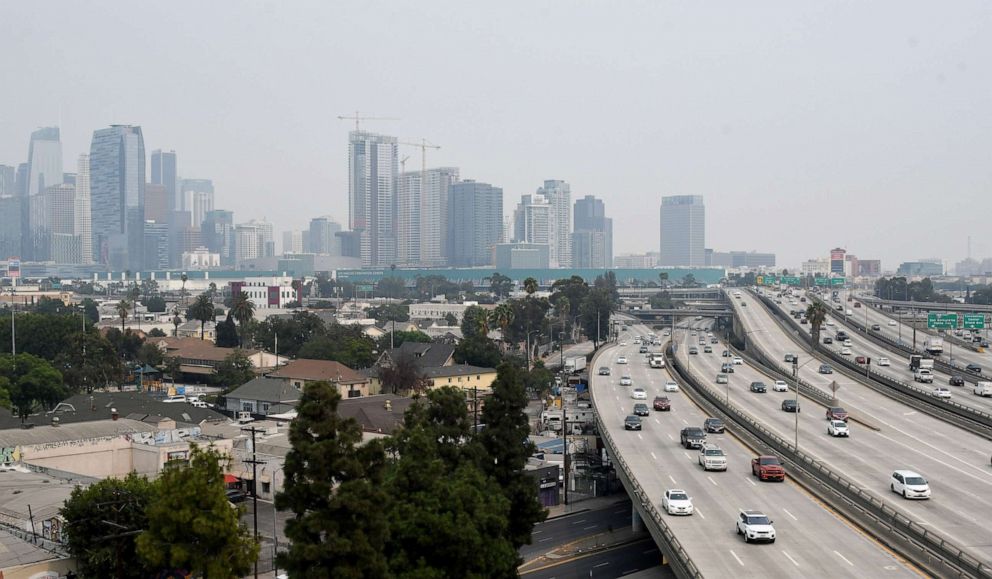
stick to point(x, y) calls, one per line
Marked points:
point(254, 485)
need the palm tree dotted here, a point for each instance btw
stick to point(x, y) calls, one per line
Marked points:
point(242, 310)
point(122, 310)
point(203, 310)
point(485, 317)
point(530, 286)
point(816, 314)
point(182, 292)
point(176, 320)
point(503, 317)
point(663, 278)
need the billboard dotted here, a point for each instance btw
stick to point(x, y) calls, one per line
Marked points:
point(13, 267)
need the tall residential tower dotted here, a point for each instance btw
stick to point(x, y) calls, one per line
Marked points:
point(372, 174)
point(117, 196)
point(683, 231)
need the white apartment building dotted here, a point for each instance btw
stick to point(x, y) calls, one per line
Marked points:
point(267, 292)
point(200, 258)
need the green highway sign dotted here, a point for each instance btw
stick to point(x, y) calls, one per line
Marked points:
point(974, 321)
point(363, 288)
point(942, 321)
point(789, 280)
point(821, 281)
point(838, 281)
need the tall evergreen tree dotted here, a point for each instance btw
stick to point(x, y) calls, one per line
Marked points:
point(507, 449)
point(334, 489)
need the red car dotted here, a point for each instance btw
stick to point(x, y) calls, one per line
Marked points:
point(860, 359)
point(662, 403)
point(767, 468)
point(836, 413)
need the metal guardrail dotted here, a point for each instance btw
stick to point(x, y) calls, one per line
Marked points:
point(955, 307)
point(949, 559)
point(971, 419)
point(679, 560)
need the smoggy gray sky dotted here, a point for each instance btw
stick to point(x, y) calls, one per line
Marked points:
point(805, 125)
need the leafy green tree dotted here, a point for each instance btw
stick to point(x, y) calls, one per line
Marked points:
point(243, 310)
point(44, 335)
point(90, 310)
point(391, 287)
point(478, 351)
point(474, 320)
point(662, 301)
point(404, 377)
point(234, 370)
point(507, 450)
point(30, 382)
point(227, 334)
point(150, 354)
point(156, 333)
point(90, 361)
point(499, 284)
point(192, 526)
point(503, 316)
point(530, 285)
point(155, 304)
point(47, 305)
point(294, 332)
point(689, 281)
point(345, 344)
point(596, 310)
point(334, 488)
point(608, 282)
point(126, 344)
point(202, 309)
point(401, 336)
point(447, 518)
point(102, 521)
point(539, 379)
point(450, 319)
point(390, 313)
point(173, 367)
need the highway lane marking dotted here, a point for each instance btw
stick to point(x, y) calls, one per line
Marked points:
point(909, 413)
point(790, 514)
point(653, 456)
point(639, 437)
point(748, 479)
point(544, 539)
point(790, 558)
point(670, 437)
point(698, 512)
point(684, 421)
point(589, 527)
point(579, 521)
point(844, 558)
point(672, 479)
point(657, 421)
point(713, 481)
point(687, 455)
point(603, 564)
point(736, 557)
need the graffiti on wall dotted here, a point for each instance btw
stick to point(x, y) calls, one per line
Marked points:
point(52, 529)
point(10, 454)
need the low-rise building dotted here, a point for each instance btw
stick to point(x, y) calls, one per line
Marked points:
point(201, 357)
point(191, 329)
point(267, 292)
point(298, 373)
point(469, 378)
point(263, 396)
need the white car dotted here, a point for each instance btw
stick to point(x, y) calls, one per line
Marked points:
point(941, 392)
point(676, 502)
point(738, 361)
point(625, 381)
point(175, 398)
point(883, 361)
point(845, 351)
point(780, 386)
point(892, 322)
point(622, 360)
point(837, 428)
point(639, 394)
point(755, 526)
point(909, 484)
point(623, 343)
point(671, 386)
point(830, 322)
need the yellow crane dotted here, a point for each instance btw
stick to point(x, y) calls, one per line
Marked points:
point(358, 117)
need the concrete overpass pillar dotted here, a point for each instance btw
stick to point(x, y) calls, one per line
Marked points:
point(636, 524)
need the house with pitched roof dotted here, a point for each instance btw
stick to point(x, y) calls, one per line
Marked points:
point(300, 372)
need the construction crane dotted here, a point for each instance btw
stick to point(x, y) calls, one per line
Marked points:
point(358, 117)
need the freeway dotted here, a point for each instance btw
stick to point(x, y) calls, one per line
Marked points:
point(560, 530)
point(810, 537)
point(615, 562)
point(862, 345)
point(955, 461)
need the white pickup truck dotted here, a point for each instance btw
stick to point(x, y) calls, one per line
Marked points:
point(923, 375)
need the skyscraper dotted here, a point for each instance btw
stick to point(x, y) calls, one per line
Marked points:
point(475, 223)
point(21, 179)
point(533, 222)
point(559, 197)
point(44, 160)
point(54, 235)
point(164, 172)
point(683, 231)
point(157, 203)
point(292, 242)
point(592, 240)
point(372, 172)
point(197, 198)
point(323, 237)
point(83, 219)
point(249, 242)
point(218, 234)
point(422, 216)
point(8, 179)
point(117, 196)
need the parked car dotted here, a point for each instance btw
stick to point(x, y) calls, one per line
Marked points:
point(836, 413)
point(641, 409)
point(790, 405)
point(780, 386)
point(838, 428)
point(175, 398)
point(662, 403)
point(909, 484)
point(676, 502)
point(632, 422)
point(671, 386)
point(713, 425)
point(755, 526)
point(235, 496)
point(758, 387)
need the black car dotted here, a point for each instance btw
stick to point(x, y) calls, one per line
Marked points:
point(758, 387)
point(975, 368)
point(692, 437)
point(789, 357)
point(604, 370)
point(876, 328)
point(826, 369)
point(842, 335)
point(790, 405)
point(235, 496)
point(713, 425)
point(632, 422)
point(828, 340)
point(956, 380)
point(727, 368)
point(641, 409)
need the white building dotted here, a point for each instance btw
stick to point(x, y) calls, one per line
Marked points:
point(683, 231)
point(432, 311)
point(83, 221)
point(559, 196)
point(422, 216)
point(200, 258)
point(373, 161)
point(818, 266)
point(267, 292)
point(292, 242)
point(252, 240)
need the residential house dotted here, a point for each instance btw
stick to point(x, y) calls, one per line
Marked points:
point(201, 357)
point(191, 329)
point(469, 378)
point(351, 384)
point(263, 396)
point(426, 355)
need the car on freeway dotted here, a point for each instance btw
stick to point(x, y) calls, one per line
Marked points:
point(722, 378)
point(622, 360)
point(828, 340)
point(743, 304)
point(632, 422)
point(676, 502)
point(714, 341)
point(714, 425)
point(693, 350)
point(909, 484)
point(623, 343)
point(803, 321)
point(712, 457)
point(767, 467)
point(738, 361)
point(604, 370)
point(837, 428)
point(755, 526)
point(692, 437)
point(883, 361)
point(790, 405)
point(671, 386)
point(974, 368)
point(826, 369)
point(662, 403)
point(625, 380)
point(892, 322)
point(876, 328)
point(956, 380)
point(758, 387)
point(830, 322)
point(836, 413)
point(641, 409)
point(845, 351)
point(693, 332)
point(860, 360)
point(727, 368)
point(642, 350)
point(707, 349)
point(639, 394)
point(780, 386)
point(790, 357)
point(941, 392)
point(857, 304)
point(848, 344)
point(726, 354)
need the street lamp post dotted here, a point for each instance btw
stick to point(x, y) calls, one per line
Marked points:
point(795, 378)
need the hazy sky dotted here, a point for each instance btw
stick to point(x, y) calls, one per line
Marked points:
point(805, 125)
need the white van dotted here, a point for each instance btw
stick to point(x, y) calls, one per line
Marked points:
point(176, 398)
point(983, 389)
